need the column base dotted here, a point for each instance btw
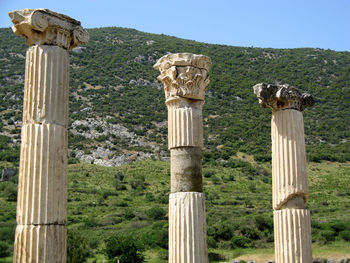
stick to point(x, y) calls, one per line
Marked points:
point(40, 244)
point(187, 228)
point(292, 236)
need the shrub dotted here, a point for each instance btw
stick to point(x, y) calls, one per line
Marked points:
point(138, 182)
point(326, 236)
point(240, 241)
point(10, 192)
point(156, 213)
point(119, 176)
point(208, 174)
point(263, 222)
point(124, 249)
point(250, 233)
point(77, 248)
point(4, 249)
point(345, 235)
point(215, 257)
point(128, 215)
point(150, 197)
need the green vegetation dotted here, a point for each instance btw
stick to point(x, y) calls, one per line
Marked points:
point(106, 73)
point(124, 249)
point(115, 69)
point(239, 216)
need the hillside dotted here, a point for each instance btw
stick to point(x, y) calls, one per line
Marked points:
point(133, 198)
point(118, 116)
point(117, 109)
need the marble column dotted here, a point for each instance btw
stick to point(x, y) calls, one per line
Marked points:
point(185, 77)
point(292, 227)
point(42, 187)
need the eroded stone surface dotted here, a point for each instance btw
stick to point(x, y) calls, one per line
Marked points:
point(40, 244)
point(279, 97)
point(45, 27)
point(185, 123)
point(185, 77)
point(292, 230)
point(46, 85)
point(289, 179)
point(42, 187)
point(187, 228)
point(289, 174)
point(186, 169)
point(184, 74)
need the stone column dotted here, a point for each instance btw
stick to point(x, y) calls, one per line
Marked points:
point(42, 187)
point(292, 227)
point(185, 77)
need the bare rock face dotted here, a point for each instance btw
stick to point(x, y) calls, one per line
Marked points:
point(7, 174)
point(278, 97)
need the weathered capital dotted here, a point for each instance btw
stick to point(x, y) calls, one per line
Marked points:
point(281, 97)
point(184, 74)
point(45, 27)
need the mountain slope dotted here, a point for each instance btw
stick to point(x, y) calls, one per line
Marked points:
point(117, 108)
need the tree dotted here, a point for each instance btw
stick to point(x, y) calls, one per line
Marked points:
point(4, 249)
point(77, 248)
point(124, 249)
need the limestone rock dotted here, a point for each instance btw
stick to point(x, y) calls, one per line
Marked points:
point(7, 174)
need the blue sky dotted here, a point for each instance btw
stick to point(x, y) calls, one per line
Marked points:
point(259, 23)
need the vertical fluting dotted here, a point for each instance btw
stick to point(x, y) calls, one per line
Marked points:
point(187, 229)
point(46, 85)
point(42, 191)
point(185, 128)
point(289, 179)
point(185, 77)
point(41, 243)
point(290, 188)
point(292, 236)
point(288, 156)
point(187, 220)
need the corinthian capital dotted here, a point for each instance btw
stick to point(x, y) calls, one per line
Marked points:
point(184, 75)
point(45, 27)
point(281, 97)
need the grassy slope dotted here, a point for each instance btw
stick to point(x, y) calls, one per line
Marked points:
point(98, 210)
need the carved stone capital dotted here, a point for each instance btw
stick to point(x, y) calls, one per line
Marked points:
point(184, 74)
point(45, 27)
point(281, 97)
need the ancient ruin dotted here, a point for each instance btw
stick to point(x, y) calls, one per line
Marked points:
point(185, 77)
point(292, 225)
point(42, 188)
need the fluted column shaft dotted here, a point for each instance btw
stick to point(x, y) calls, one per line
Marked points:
point(185, 77)
point(290, 188)
point(42, 185)
point(42, 189)
point(187, 220)
point(292, 226)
